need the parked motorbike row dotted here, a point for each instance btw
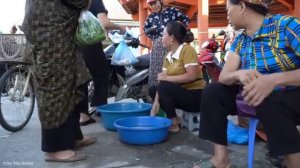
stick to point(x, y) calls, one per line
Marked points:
point(128, 81)
point(131, 81)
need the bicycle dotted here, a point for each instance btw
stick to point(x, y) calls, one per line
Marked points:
point(17, 98)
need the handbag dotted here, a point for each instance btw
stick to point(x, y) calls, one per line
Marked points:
point(89, 30)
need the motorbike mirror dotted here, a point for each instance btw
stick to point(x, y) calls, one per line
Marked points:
point(150, 30)
point(221, 33)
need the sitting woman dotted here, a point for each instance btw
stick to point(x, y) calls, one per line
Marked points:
point(181, 82)
point(264, 64)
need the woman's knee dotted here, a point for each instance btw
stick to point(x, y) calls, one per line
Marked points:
point(164, 86)
point(152, 91)
point(213, 89)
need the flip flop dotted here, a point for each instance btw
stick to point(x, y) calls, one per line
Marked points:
point(85, 142)
point(207, 164)
point(76, 157)
point(174, 130)
point(204, 164)
point(89, 121)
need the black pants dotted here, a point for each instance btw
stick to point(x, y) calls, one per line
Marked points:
point(64, 137)
point(173, 96)
point(98, 67)
point(279, 114)
point(83, 105)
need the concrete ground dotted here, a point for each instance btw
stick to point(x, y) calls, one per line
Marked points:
point(22, 149)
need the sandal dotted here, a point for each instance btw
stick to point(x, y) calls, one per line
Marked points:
point(204, 164)
point(89, 121)
point(174, 129)
point(87, 140)
point(76, 157)
point(207, 164)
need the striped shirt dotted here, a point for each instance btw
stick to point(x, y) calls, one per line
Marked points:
point(275, 47)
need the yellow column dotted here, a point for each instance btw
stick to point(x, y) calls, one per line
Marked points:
point(202, 21)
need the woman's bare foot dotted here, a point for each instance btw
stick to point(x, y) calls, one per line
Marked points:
point(64, 156)
point(86, 140)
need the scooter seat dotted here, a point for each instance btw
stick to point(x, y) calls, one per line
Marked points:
point(143, 62)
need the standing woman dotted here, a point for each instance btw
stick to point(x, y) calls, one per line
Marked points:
point(59, 75)
point(97, 64)
point(159, 19)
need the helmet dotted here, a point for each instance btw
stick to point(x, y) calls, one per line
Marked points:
point(148, 1)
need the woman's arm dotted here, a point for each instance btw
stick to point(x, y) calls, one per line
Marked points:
point(108, 25)
point(155, 106)
point(189, 76)
point(231, 74)
point(228, 75)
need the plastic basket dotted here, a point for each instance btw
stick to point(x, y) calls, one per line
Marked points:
point(12, 47)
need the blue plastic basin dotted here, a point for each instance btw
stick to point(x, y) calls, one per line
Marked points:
point(142, 130)
point(114, 111)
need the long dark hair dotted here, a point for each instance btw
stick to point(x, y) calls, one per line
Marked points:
point(178, 30)
point(255, 7)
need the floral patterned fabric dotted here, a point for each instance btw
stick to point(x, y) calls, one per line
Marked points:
point(159, 20)
point(156, 61)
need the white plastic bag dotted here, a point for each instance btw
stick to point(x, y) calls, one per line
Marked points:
point(123, 55)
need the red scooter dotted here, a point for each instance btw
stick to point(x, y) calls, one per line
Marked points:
point(211, 64)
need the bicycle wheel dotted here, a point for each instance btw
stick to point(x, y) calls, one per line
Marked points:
point(16, 106)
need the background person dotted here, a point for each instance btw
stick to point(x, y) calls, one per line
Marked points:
point(97, 64)
point(158, 19)
point(264, 63)
point(181, 82)
point(13, 30)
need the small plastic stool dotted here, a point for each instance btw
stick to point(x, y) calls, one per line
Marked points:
point(251, 142)
point(243, 109)
point(190, 120)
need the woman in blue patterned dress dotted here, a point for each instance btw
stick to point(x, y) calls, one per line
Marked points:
point(264, 66)
point(160, 17)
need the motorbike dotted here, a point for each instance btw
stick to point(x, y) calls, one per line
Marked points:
point(211, 59)
point(136, 85)
point(132, 77)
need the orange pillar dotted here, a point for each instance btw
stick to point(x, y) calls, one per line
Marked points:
point(297, 9)
point(202, 21)
point(142, 18)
